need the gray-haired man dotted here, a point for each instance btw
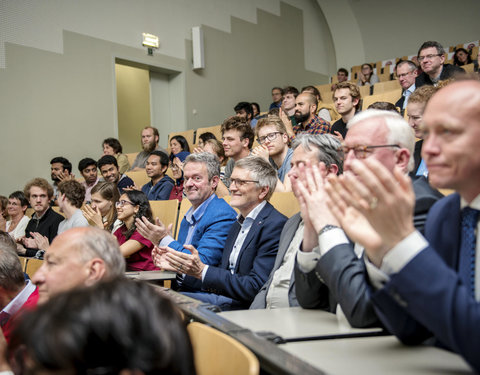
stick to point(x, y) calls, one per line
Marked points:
point(279, 290)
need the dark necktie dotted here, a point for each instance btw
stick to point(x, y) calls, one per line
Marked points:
point(466, 266)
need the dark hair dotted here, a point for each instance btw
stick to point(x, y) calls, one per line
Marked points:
point(241, 125)
point(278, 88)
point(113, 143)
point(367, 64)
point(247, 107)
point(138, 198)
point(458, 62)
point(164, 160)
point(20, 196)
point(313, 90)
point(106, 160)
point(74, 191)
point(3, 205)
point(343, 70)
point(11, 275)
point(410, 63)
point(206, 136)
point(291, 90)
point(384, 106)
point(431, 44)
point(183, 142)
point(255, 104)
point(85, 163)
point(65, 163)
point(111, 326)
point(108, 191)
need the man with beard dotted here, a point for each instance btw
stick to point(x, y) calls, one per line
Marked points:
point(149, 140)
point(306, 118)
point(109, 169)
point(60, 169)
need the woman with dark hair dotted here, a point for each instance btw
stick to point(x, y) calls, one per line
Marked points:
point(111, 146)
point(255, 108)
point(178, 145)
point(463, 57)
point(114, 327)
point(16, 207)
point(176, 165)
point(202, 138)
point(102, 212)
point(136, 249)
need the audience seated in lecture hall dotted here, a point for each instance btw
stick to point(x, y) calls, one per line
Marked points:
point(16, 221)
point(102, 212)
point(160, 186)
point(111, 146)
point(279, 290)
point(149, 140)
point(330, 270)
point(88, 170)
point(109, 169)
point(424, 287)
point(250, 247)
point(205, 225)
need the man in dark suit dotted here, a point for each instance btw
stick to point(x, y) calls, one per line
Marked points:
point(406, 72)
point(330, 270)
point(279, 290)
point(431, 57)
point(429, 286)
point(251, 244)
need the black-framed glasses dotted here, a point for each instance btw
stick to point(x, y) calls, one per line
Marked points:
point(239, 182)
point(429, 57)
point(361, 152)
point(123, 203)
point(269, 136)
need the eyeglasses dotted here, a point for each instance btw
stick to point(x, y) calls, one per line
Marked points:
point(269, 136)
point(123, 203)
point(429, 57)
point(239, 183)
point(361, 152)
point(174, 167)
point(404, 74)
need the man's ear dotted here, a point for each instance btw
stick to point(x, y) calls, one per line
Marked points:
point(245, 142)
point(355, 101)
point(332, 169)
point(96, 271)
point(263, 192)
point(403, 157)
point(214, 181)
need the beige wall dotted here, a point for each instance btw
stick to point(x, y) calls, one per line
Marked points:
point(133, 104)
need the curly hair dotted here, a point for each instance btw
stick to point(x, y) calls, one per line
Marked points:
point(40, 183)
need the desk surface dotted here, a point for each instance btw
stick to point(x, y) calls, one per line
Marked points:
point(376, 355)
point(151, 275)
point(295, 323)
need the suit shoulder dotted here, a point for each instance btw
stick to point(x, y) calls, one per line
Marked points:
point(221, 209)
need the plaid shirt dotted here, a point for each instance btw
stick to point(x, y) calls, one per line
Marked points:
point(315, 126)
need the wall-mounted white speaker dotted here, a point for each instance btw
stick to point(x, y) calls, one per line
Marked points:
point(198, 50)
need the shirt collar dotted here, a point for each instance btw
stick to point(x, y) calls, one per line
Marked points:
point(194, 216)
point(252, 215)
point(473, 204)
point(20, 299)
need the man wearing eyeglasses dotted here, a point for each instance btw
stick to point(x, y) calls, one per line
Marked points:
point(274, 146)
point(431, 57)
point(250, 248)
point(330, 270)
point(406, 72)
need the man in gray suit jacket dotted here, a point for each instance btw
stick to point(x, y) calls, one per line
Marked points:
point(279, 290)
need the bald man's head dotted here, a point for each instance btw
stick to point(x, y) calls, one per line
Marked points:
point(76, 258)
point(451, 147)
point(305, 107)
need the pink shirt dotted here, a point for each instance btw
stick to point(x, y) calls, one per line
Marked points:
point(142, 259)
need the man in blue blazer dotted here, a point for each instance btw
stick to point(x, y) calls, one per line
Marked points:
point(207, 223)
point(429, 286)
point(251, 245)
